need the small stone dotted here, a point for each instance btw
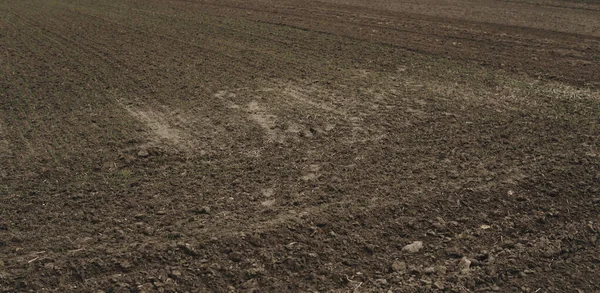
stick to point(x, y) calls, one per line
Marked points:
point(143, 153)
point(413, 247)
point(291, 246)
point(439, 285)
point(398, 266)
point(176, 273)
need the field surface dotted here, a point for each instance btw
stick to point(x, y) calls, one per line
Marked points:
point(299, 146)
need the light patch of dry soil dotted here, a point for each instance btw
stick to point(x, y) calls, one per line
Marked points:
point(166, 129)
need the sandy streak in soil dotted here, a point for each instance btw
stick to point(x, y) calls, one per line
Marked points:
point(161, 125)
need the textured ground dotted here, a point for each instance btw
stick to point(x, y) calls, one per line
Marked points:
point(299, 146)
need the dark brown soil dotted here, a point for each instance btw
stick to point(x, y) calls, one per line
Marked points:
point(299, 146)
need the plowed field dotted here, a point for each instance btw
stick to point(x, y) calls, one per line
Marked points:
point(299, 146)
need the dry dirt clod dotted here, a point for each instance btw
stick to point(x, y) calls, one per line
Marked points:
point(381, 282)
point(148, 231)
point(268, 203)
point(202, 210)
point(441, 270)
point(188, 249)
point(235, 256)
point(370, 248)
point(125, 264)
point(398, 266)
point(464, 265)
point(413, 247)
point(453, 253)
point(143, 153)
